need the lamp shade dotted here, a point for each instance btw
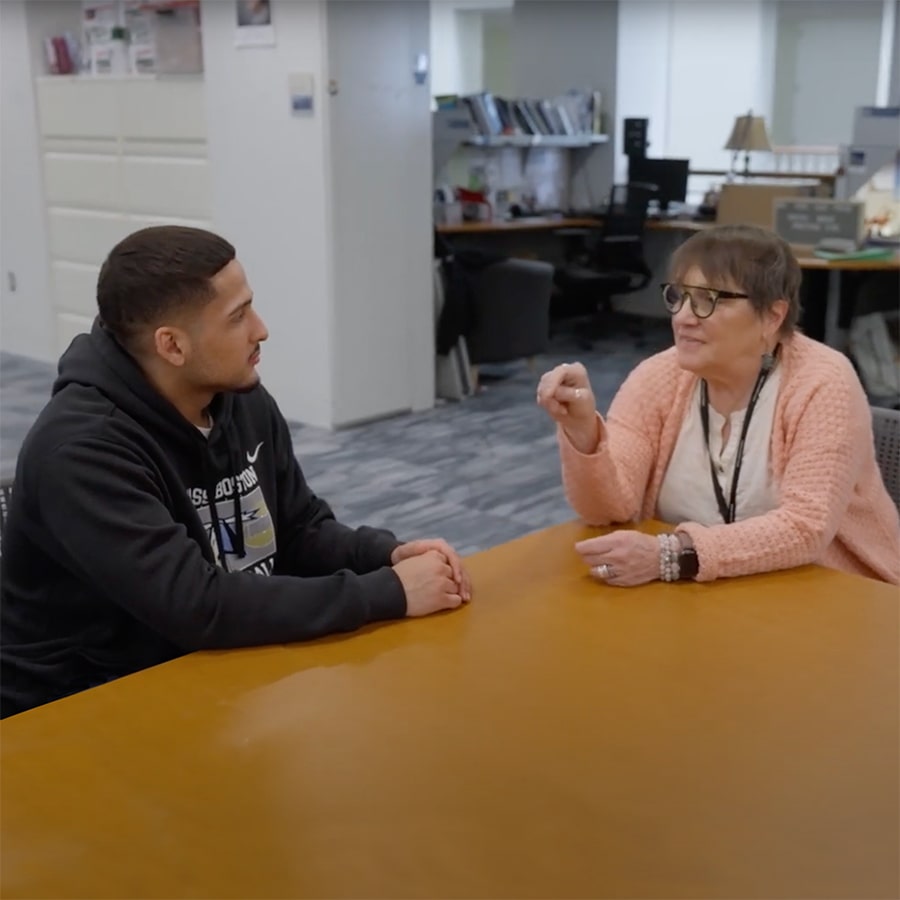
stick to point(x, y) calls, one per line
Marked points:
point(749, 133)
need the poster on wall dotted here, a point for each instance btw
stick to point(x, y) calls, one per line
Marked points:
point(254, 28)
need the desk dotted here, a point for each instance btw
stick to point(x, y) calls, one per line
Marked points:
point(557, 738)
point(549, 223)
point(833, 335)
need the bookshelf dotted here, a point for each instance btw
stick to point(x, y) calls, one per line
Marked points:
point(573, 141)
point(517, 152)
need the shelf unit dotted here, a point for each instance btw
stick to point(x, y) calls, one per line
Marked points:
point(536, 140)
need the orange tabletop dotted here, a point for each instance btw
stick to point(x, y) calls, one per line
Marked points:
point(556, 738)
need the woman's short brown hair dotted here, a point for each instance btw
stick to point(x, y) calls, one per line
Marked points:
point(750, 259)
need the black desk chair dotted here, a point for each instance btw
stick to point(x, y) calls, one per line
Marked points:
point(604, 262)
point(6, 489)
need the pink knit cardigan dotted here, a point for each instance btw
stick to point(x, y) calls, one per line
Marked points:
point(833, 506)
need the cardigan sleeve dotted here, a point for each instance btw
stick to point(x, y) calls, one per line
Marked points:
point(609, 484)
point(829, 433)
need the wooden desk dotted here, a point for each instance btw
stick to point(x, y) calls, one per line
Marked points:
point(557, 738)
point(549, 223)
point(834, 335)
point(886, 264)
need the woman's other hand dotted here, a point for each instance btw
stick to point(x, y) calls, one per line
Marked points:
point(565, 393)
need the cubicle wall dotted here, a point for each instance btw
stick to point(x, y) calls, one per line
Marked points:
point(118, 154)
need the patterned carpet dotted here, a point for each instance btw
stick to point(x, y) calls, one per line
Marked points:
point(478, 473)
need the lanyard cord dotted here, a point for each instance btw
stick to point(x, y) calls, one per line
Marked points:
point(729, 510)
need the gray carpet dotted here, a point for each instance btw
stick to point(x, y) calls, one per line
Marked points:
point(478, 473)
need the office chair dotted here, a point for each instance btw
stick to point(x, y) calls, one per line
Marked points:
point(886, 425)
point(6, 488)
point(489, 311)
point(605, 262)
point(511, 313)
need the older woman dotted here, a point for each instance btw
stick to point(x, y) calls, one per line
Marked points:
point(755, 438)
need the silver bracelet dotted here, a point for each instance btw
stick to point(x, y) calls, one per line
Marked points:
point(669, 557)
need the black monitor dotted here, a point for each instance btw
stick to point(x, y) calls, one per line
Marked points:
point(669, 175)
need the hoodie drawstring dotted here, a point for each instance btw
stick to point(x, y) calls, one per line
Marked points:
point(237, 543)
point(209, 479)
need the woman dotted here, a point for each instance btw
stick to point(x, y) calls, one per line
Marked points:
point(757, 439)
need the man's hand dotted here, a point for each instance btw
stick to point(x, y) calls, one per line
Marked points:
point(417, 548)
point(428, 583)
point(623, 558)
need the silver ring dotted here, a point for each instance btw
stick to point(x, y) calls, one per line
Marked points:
point(605, 572)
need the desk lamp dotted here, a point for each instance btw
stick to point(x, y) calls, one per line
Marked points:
point(747, 134)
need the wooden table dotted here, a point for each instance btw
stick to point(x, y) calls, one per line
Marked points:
point(549, 223)
point(557, 738)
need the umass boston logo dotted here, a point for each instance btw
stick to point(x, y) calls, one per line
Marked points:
point(256, 521)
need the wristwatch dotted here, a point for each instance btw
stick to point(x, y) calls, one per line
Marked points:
point(688, 563)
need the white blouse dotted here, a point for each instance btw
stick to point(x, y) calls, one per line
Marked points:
point(687, 494)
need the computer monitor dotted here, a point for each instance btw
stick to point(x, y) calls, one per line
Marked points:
point(669, 175)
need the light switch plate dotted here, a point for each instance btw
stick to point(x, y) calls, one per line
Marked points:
point(300, 88)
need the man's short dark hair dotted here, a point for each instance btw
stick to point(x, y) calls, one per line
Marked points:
point(155, 273)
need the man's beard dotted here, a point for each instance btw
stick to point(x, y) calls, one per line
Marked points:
point(249, 386)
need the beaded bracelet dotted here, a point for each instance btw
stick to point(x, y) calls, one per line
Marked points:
point(669, 557)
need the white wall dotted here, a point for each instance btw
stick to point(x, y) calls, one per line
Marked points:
point(563, 44)
point(719, 54)
point(496, 49)
point(383, 342)
point(894, 82)
point(446, 61)
point(816, 94)
point(691, 66)
point(456, 41)
point(270, 192)
point(643, 89)
point(330, 210)
point(470, 33)
point(26, 325)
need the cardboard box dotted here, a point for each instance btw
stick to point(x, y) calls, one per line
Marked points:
point(754, 204)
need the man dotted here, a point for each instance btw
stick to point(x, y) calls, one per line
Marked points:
point(158, 506)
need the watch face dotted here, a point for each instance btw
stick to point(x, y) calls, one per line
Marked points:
point(690, 565)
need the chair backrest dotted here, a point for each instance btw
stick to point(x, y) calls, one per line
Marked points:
point(6, 487)
point(626, 214)
point(511, 311)
point(886, 425)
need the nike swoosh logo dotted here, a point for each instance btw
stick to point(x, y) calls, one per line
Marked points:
point(251, 457)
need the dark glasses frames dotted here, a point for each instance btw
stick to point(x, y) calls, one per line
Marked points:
point(702, 300)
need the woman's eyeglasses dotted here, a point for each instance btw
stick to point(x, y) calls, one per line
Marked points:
point(703, 300)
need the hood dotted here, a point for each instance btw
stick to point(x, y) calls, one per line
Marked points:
point(99, 361)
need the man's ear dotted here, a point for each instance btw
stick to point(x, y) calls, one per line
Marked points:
point(171, 344)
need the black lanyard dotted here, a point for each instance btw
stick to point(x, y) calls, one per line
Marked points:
point(729, 510)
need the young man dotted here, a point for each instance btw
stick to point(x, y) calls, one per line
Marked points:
point(158, 507)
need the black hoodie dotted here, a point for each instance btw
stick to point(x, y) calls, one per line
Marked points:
point(111, 546)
